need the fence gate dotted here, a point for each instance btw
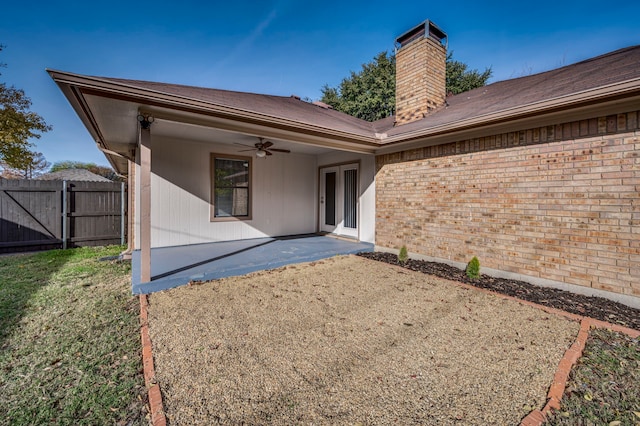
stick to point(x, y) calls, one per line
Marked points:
point(40, 214)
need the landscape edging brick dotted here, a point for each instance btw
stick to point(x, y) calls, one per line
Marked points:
point(156, 408)
point(571, 356)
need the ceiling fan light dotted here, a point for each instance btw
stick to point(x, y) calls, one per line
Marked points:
point(261, 153)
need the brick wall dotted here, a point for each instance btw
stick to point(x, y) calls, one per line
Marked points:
point(560, 203)
point(420, 79)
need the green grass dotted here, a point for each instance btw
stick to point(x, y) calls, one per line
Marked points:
point(69, 340)
point(604, 385)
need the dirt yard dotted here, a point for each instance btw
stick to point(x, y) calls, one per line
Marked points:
point(350, 341)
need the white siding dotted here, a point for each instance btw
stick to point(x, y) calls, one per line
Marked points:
point(284, 195)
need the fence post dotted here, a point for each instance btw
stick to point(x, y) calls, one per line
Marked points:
point(122, 210)
point(64, 215)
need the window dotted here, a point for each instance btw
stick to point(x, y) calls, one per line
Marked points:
point(231, 187)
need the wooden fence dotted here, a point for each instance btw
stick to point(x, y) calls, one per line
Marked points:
point(40, 214)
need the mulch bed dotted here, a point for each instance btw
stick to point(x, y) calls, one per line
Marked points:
point(594, 307)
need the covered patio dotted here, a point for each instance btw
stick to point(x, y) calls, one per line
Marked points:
point(217, 177)
point(175, 266)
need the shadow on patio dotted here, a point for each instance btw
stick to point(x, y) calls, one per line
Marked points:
point(175, 266)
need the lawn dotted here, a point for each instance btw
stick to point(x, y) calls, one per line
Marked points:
point(69, 339)
point(604, 385)
point(70, 348)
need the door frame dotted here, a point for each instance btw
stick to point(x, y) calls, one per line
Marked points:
point(338, 228)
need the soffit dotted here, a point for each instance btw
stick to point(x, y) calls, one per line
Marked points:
point(117, 124)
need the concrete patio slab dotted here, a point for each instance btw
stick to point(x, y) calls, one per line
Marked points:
point(175, 266)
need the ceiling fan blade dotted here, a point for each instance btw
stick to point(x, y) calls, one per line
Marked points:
point(267, 144)
point(268, 152)
point(279, 150)
point(241, 144)
point(245, 150)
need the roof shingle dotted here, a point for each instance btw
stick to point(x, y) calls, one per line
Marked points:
point(614, 67)
point(82, 175)
point(288, 107)
point(620, 66)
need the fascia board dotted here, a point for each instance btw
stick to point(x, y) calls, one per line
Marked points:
point(81, 108)
point(589, 97)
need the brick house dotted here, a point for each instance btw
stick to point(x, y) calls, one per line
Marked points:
point(538, 176)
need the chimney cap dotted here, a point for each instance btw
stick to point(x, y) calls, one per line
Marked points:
point(422, 30)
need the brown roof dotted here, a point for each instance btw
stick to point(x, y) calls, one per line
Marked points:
point(289, 107)
point(612, 76)
point(615, 67)
point(82, 175)
point(610, 68)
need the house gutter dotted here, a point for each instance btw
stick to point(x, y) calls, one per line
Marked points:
point(612, 92)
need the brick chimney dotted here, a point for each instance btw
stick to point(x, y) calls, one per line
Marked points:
point(421, 55)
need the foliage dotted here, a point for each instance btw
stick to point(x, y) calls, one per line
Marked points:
point(103, 171)
point(461, 79)
point(368, 94)
point(17, 126)
point(69, 339)
point(26, 166)
point(604, 386)
point(371, 93)
point(473, 269)
point(403, 255)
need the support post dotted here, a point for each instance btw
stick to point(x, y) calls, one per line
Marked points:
point(131, 207)
point(145, 204)
point(122, 212)
point(65, 216)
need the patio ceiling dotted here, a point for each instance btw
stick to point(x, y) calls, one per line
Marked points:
point(203, 134)
point(107, 111)
point(123, 136)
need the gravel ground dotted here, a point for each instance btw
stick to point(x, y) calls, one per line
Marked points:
point(351, 341)
point(590, 306)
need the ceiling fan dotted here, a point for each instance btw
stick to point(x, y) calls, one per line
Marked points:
point(262, 148)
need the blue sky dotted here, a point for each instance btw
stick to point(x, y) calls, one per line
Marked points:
point(278, 47)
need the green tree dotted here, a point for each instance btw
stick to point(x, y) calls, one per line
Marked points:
point(18, 124)
point(368, 94)
point(371, 93)
point(461, 79)
point(103, 171)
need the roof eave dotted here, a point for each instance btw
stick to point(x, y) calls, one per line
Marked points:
point(75, 87)
point(79, 105)
point(102, 87)
point(617, 92)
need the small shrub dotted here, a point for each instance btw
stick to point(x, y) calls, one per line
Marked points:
point(403, 256)
point(473, 268)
